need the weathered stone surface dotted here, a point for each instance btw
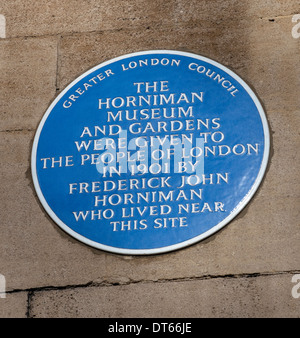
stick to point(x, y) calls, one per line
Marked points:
point(281, 177)
point(27, 81)
point(262, 296)
point(33, 250)
point(273, 64)
point(14, 305)
point(65, 16)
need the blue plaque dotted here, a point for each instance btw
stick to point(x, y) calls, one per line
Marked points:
point(150, 152)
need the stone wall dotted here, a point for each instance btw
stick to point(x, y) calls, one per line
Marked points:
point(244, 270)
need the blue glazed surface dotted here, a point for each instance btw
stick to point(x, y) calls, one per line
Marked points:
point(235, 117)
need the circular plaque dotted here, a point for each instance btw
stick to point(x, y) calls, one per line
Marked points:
point(150, 152)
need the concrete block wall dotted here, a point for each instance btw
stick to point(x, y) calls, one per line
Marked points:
point(244, 270)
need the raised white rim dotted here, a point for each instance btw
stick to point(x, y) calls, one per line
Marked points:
point(193, 240)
